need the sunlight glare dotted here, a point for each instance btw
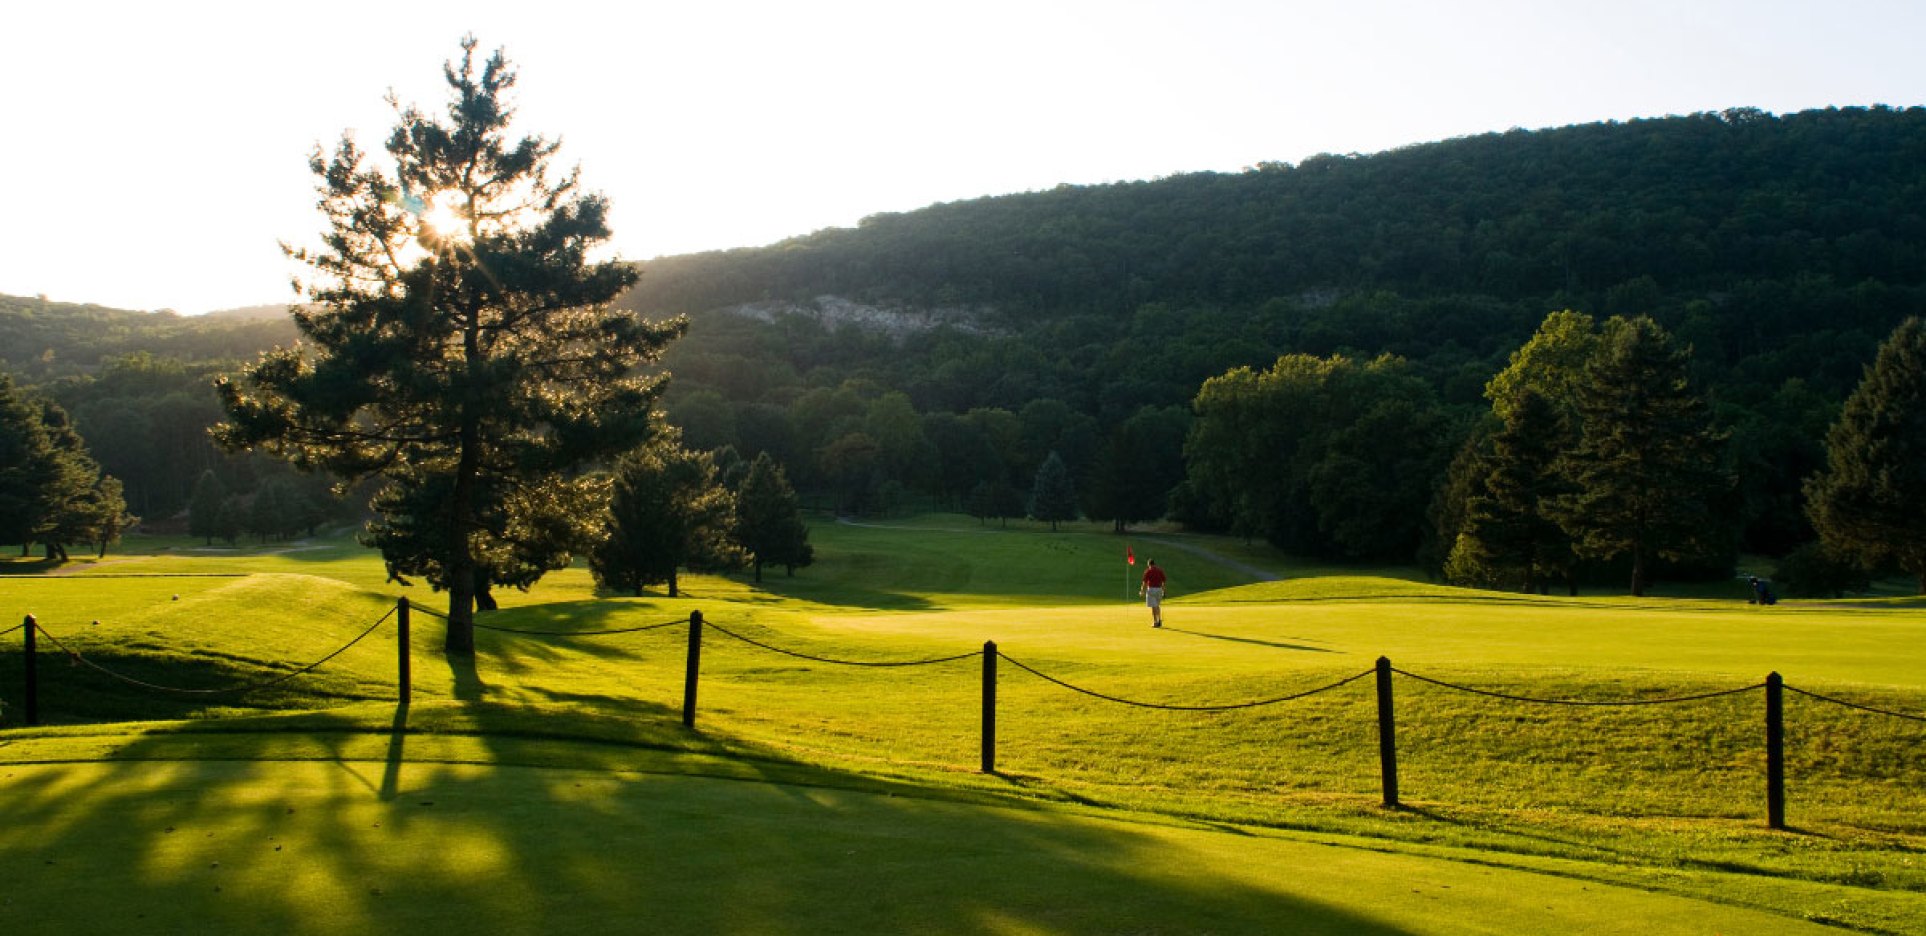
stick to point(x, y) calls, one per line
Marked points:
point(445, 217)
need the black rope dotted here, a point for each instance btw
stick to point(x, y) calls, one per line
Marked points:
point(1582, 702)
point(593, 633)
point(1855, 705)
point(12, 629)
point(817, 659)
point(1185, 708)
point(427, 610)
point(77, 658)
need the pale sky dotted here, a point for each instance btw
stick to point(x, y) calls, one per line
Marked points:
point(154, 154)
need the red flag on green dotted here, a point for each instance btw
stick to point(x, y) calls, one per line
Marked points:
point(1130, 558)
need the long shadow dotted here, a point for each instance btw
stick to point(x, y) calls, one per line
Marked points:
point(1572, 842)
point(222, 832)
point(468, 684)
point(1249, 640)
point(397, 754)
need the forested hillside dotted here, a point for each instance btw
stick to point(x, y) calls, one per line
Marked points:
point(1780, 249)
point(1740, 231)
point(42, 340)
point(941, 355)
point(139, 388)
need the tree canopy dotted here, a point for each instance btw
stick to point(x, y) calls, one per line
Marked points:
point(1870, 501)
point(460, 343)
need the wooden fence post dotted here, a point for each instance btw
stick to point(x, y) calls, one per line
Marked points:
point(989, 706)
point(33, 675)
point(404, 674)
point(1775, 751)
point(1387, 735)
point(694, 667)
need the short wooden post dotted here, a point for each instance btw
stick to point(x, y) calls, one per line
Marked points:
point(695, 667)
point(33, 676)
point(404, 675)
point(1387, 735)
point(989, 706)
point(1775, 751)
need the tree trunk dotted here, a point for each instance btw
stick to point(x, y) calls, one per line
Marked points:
point(461, 561)
point(758, 565)
point(673, 591)
point(461, 606)
point(1638, 572)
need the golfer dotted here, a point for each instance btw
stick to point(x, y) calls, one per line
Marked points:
point(1152, 591)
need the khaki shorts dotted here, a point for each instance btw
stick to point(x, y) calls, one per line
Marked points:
point(1154, 597)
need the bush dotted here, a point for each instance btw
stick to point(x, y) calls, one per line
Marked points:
point(1813, 571)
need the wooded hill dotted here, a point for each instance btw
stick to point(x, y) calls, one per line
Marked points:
point(947, 348)
point(1781, 249)
point(1778, 246)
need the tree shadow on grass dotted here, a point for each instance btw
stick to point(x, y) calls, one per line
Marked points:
point(291, 832)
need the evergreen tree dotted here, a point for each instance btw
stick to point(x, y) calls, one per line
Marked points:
point(524, 533)
point(231, 520)
point(667, 509)
point(24, 453)
point(1645, 477)
point(204, 507)
point(105, 514)
point(1869, 503)
point(69, 487)
point(1447, 515)
point(768, 523)
point(271, 513)
point(460, 342)
point(1510, 536)
point(1053, 498)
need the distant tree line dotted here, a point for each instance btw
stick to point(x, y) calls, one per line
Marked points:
point(1402, 308)
point(52, 492)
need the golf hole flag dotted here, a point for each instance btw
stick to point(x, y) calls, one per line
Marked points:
point(1130, 558)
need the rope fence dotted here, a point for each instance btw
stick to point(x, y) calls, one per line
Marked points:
point(1580, 702)
point(817, 659)
point(1773, 686)
point(81, 659)
point(1855, 705)
point(1183, 708)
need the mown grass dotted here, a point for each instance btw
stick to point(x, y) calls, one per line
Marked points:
point(1667, 798)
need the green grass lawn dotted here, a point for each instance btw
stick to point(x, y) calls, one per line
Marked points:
point(1101, 818)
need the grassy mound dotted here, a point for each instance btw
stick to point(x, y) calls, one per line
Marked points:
point(1664, 800)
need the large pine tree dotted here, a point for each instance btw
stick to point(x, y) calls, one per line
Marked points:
point(1869, 502)
point(460, 343)
point(1645, 475)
